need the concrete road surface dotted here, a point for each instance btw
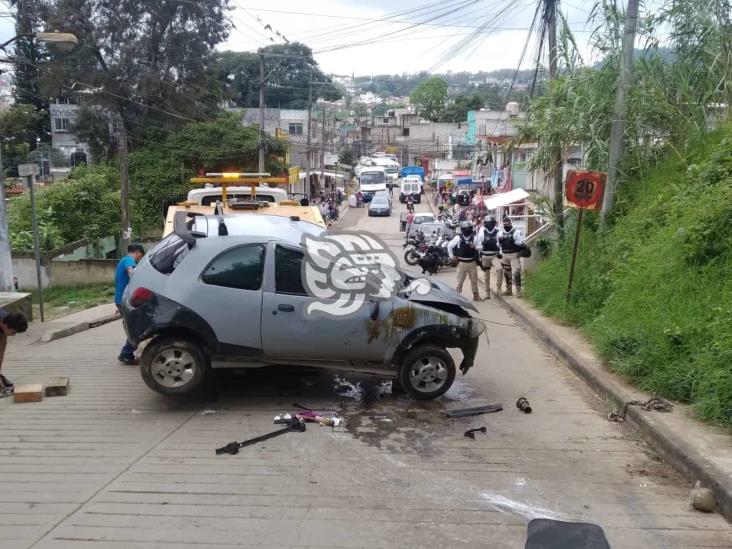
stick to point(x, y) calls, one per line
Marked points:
point(114, 465)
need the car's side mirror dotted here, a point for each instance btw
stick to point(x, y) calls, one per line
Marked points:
point(374, 310)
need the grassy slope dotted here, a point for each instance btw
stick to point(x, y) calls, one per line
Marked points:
point(655, 293)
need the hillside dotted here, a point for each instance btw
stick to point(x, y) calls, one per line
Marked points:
point(654, 294)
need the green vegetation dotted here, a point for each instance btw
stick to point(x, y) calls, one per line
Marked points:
point(429, 97)
point(63, 300)
point(654, 293)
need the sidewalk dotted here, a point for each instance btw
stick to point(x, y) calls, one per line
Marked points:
point(698, 451)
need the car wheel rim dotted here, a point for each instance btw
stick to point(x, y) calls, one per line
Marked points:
point(173, 368)
point(428, 374)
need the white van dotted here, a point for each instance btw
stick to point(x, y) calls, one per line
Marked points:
point(391, 168)
point(210, 195)
point(410, 186)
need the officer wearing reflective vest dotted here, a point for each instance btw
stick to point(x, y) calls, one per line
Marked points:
point(463, 251)
point(512, 243)
point(490, 253)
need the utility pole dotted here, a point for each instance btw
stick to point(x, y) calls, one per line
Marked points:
point(617, 129)
point(36, 245)
point(310, 121)
point(557, 172)
point(124, 183)
point(6, 266)
point(261, 114)
point(322, 151)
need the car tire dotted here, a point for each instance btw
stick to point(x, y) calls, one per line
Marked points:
point(173, 366)
point(427, 372)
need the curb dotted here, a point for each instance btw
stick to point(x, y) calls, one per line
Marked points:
point(53, 335)
point(674, 449)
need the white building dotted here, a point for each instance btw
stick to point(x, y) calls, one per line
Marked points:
point(63, 114)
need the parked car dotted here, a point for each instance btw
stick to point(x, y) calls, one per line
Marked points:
point(419, 218)
point(380, 205)
point(227, 291)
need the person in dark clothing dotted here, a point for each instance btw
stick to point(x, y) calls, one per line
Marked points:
point(10, 324)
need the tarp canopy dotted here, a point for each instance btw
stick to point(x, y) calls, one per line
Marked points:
point(412, 170)
point(465, 181)
point(504, 199)
point(318, 172)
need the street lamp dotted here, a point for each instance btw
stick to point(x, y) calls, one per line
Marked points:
point(63, 41)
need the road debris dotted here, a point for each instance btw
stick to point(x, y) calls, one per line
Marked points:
point(653, 403)
point(208, 412)
point(28, 392)
point(327, 419)
point(545, 533)
point(523, 405)
point(233, 448)
point(57, 386)
point(702, 499)
point(478, 410)
point(470, 433)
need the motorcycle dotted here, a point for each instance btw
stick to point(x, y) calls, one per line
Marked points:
point(359, 201)
point(435, 257)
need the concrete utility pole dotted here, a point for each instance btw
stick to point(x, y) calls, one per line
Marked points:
point(6, 267)
point(36, 245)
point(261, 114)
point(124, 183)
point(557, 171)
point(310, 121)
point(617, 130)
point(322, 151)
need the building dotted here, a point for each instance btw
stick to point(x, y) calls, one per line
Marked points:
point(63, 113)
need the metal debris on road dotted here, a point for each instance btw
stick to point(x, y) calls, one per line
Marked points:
point(322, 418)
point(466, 412)
point(547, 533)
point(654, 403)
point(523, 405)
point(234, 447)
point(470, 433)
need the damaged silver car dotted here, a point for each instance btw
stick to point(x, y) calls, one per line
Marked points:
point(228, 292)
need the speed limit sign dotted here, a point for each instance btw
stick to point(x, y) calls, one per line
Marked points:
point(585, 189)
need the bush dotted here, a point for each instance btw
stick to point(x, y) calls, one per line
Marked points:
point(655, 293)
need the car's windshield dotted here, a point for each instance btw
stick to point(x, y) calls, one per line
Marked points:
point(391, 169)
point(380, 200)
point(168, 254)
point(371, 178)
point(422, 219)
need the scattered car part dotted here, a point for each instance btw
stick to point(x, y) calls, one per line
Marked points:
point(549, 534)
point(466, 412)
point(470, 433)
point(234, 447)
point(309, 416)
point(523, 405)
point(653, 403)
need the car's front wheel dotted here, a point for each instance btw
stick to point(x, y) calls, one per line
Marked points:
point(427, 372)
point(173, 366)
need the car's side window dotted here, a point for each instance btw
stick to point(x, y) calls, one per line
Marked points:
point(288, 271)
point(240, 268)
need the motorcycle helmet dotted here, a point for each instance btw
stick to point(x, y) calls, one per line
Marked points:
point(466, 228)
point(490, 222)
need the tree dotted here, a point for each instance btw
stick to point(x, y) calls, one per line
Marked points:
point(148, 62)
point(429, 97)
point(92, 127)
point(288, 73)
point(18, 131)
point(457, 111)
point(346, 157)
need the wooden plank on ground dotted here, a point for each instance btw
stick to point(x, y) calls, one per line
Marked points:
point(28, 392)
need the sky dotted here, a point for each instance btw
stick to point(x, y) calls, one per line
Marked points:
point(400, 36)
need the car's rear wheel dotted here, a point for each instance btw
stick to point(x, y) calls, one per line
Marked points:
point(427, 372)
point(173, 366)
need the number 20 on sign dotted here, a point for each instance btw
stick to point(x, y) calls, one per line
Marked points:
point(584, 191)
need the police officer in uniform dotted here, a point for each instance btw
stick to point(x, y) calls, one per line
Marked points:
point(490, 253)
point(512, 242)
point(462, 250)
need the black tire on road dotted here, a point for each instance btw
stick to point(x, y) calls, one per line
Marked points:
point(173, 366)
point(427, 372)
point(411, 257)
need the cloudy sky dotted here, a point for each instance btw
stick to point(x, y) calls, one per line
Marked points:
point(398, 36)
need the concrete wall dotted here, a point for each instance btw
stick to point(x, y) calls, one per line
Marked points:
point(64, 273)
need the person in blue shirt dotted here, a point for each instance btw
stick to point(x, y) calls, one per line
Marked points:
point(125, 268)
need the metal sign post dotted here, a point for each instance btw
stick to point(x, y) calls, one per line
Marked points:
point(584, 192)
point(30, 171)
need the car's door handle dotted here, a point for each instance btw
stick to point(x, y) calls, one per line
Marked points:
point(285, 308)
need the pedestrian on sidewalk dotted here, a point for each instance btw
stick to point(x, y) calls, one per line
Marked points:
point(10, 324)
point(490, 254)
point(463, 252)
point(512, 242)
point(125, 268)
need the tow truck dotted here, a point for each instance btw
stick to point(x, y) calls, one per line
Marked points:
point(227, 205)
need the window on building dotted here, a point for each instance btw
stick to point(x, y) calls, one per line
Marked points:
point(61, 124)
point(295, 128)
point(405, 132)
point(385, 120)
point(239, 268)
